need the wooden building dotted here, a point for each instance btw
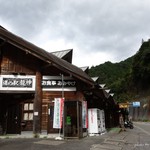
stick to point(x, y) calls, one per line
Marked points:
point(31, 79)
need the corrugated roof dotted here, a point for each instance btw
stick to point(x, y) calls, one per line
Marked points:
point(95, 79)
point(84, 68)
point(64, 54)
point(44, 55)
point(61, 53)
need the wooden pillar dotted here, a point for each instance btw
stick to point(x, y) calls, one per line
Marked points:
point(78, 124)
point(37, 104)
point(0, 57)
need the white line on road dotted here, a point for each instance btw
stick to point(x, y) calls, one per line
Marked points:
point(146, 132)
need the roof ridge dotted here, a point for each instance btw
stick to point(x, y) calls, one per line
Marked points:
point(45, 55)
point(62, 50)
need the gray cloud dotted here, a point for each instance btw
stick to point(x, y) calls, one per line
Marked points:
point(112, 26)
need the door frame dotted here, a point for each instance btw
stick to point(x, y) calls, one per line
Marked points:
point(78, 120)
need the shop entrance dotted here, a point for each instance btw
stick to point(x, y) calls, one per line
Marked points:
point(11, 112)
point(10, 115)
point(13, 119)
point(72, 119)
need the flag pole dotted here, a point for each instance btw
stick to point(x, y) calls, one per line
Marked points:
point(62, 95)
point(63, 123)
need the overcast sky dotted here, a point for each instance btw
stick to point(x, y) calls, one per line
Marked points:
point(96, 30)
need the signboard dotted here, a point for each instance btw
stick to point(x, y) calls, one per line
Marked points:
point(123, 105)
point(68, 120)
point(58, 113)
point(27, 83)
point(136, 104)
point(17, 83)
point(56, 83)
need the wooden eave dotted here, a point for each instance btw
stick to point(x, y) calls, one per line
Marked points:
point(44, 55)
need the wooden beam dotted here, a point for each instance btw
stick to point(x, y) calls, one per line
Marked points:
point(37, 104)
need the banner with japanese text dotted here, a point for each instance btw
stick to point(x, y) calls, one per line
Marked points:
point(58, 113)
point(84, 115)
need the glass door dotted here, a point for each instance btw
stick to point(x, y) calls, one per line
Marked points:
point(72, 119)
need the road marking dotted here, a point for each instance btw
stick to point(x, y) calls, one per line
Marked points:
point(146, 132)
point(104, 146)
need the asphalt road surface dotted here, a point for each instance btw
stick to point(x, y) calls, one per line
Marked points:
point(48, 144)
point(131, 139)
point(143, 126)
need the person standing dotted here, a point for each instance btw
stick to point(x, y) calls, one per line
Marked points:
point(121, 122)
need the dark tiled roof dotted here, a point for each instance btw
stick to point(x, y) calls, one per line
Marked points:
point(44, 55)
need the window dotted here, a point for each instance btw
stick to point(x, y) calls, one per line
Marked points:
point(28, 111)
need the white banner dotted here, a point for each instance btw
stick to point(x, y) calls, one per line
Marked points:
point(58, 113)
point(84, 115)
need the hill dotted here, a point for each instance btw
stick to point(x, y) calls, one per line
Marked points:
point(128, 78)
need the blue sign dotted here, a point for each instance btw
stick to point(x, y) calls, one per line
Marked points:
point(136, 104)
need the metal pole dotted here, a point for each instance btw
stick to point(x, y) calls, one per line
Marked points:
point(62, 77)
point(62, 95)
point(78, 124)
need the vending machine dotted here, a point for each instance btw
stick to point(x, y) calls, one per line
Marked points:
point(102, 117)
point(94, 121)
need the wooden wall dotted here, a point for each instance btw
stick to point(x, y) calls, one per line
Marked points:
point(47, 102)
point(14, 60)
point(17, 61)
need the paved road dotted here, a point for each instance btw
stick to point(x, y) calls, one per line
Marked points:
point(131, 139)
point(48, 144)
point(143, 126)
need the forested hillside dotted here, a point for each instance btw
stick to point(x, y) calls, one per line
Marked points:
point(128, 78)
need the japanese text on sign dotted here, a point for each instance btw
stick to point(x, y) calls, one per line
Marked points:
point(58, 83)
point(17, 82)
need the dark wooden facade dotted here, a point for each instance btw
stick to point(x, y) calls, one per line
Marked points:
point(22, 110)
point(48, 103)
point(32, 110)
